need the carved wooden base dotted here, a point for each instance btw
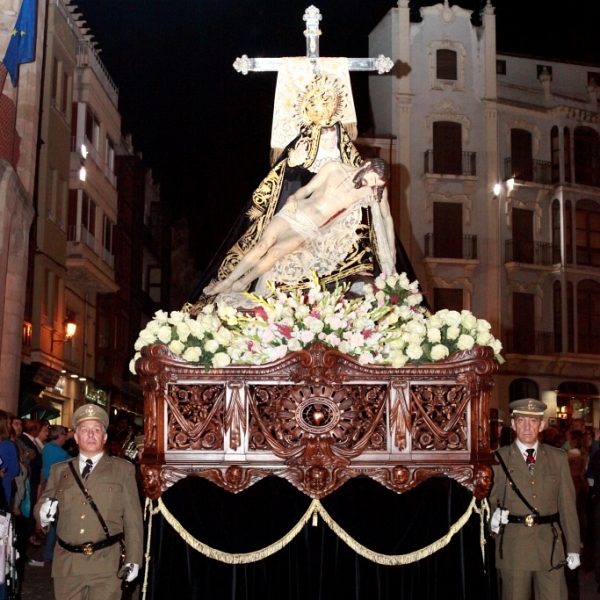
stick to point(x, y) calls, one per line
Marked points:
point(317, 418)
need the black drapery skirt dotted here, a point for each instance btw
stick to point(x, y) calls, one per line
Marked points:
point(317, 564)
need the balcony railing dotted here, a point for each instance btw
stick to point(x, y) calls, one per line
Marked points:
point(530, 253)
point(541, 344)
point(87, 57)
point(468, 165)
point(469, 248)
point(537, 171)
point(108, 258)
point(78, 233)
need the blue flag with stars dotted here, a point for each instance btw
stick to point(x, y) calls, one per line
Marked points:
point(21, 48)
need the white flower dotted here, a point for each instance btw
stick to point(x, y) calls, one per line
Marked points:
point(164, 334)
point(208, 323)
point(267, 336)
point(132, 363)
point(176, 347)
point(192, 354)
point(414, 351)
point(465, 342)
point(183, 331)
point(220, 360)
point(468, 321)
point(366, 358)
point(356, 340)
point(453, 318)
point(161, 316)
point(496, 346)
point(434, 335)
point(380, 283)
point(294, 345)
point(333, 340)
point(313, 324)
point(439, 351)
point(139, 344)
point(398, 359)
point(211, 346)
point(223, 336)
point(196, 329)
point(484, 338)
point(176, 317)
point(483, 325)
point(345, 347)
point(397, 344)
point(435, 321)
point(452, 333)
point(414, 299)
point(306, 336)
point(391, 281)
point(148, 337)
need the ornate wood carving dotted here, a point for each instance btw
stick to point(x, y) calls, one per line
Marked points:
point(318, 418)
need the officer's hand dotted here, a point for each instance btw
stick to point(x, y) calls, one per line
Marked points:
point(573, 560)
point(500, 517)
point(48, 511)
point(133, 571)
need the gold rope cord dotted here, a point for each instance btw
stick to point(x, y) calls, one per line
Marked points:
point(317, 508)
point(149, 512)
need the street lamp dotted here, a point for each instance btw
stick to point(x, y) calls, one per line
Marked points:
point(70, 329)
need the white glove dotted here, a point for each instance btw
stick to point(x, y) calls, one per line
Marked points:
point(573, 560)
point(48, 512)
point(133, 571)
point(500, 517)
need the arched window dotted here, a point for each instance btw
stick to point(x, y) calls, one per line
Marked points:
point(557, 307)
point(587, 156)
point(587, 221)
point(556, 256)
point(523, 388)
point(588, 317)
point(446, 64)
point(568, 232)
point(555, 149)
point(567, 144)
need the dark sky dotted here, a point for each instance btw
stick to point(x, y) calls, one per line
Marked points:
point(205, 129)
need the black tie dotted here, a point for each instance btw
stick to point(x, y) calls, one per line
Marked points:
point(87, 469)
point(530, 458)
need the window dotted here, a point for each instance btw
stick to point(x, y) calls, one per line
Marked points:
point(109, 154)
point(555, 150)
point(523, 388)
point(523, 323)
point(500, 67)
point(557, 306)
point(567, 144)
point(55, 71)
point(587, 223)
point(446, 64)
point(556, 257)
point(569, 232)
point(447, 148)
point(88, 213)
point(447, 230)
point(587, 156)
point(521, 154)
point(451, 299)
point(588, 317)
point(92, 128)
point(154, 283)
point(107, 234)
point(65, 94)
point(82, 218)
point(522, 225)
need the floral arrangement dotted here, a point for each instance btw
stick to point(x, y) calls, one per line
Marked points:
point(385, 325)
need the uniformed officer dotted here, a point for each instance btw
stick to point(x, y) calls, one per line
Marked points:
point(93, 521)
point(535, 500)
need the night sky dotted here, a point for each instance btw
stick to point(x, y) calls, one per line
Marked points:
point(205, 129)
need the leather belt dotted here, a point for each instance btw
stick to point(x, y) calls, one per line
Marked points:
point(531, 519)
point(91, 547)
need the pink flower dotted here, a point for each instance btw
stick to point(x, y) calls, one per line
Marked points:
point(367, 333)
point(315, 313)
point(394, 299)
point(285, 330)
point(262, 313)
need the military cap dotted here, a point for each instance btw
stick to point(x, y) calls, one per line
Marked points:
point(89, 412)
point(528, 406)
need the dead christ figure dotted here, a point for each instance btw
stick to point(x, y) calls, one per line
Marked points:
point(333, 190)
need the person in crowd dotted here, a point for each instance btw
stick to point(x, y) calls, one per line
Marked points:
point(86, 558)
point(533, 492)
point(31, 429)
point(577, 424)
point(52, 453)
point(577, 456)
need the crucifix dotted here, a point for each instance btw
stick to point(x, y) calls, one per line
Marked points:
point(312, 16)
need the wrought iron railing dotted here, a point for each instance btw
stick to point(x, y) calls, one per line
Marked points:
point(537, 171)
point(469, 248)
point(468, 165)
point(530, 253)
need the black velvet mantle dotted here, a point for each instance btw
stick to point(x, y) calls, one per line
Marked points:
point(317, 565)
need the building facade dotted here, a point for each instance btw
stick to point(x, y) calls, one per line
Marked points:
point(496, 193)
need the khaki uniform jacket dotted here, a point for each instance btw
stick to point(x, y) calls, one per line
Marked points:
point(112, 486)
point(550, 490)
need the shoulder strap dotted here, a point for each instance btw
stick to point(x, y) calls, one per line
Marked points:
point(89, 498)
point(512, 484)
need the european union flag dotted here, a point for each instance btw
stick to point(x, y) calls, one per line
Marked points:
point(21, 48)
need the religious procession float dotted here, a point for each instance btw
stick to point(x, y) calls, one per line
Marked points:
point(321, 434)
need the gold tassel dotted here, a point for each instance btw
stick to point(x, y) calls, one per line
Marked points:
point(315, 519)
